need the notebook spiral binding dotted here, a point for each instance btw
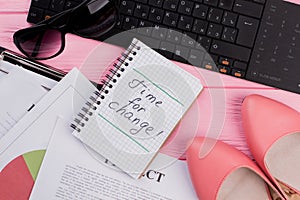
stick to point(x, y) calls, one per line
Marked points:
point(95, 99)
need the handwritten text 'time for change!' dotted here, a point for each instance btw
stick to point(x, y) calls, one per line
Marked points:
point(139, 105)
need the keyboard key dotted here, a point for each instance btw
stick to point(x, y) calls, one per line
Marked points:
point(240, 65)
point(167, 49)
point(200, 11)
point(185, 7)
point(159, 32)
point(174, 36)
point(181, 53)
point(238, 73)
point(40, 3)
point(185, 23)
point(260, 1)
point(57, 5)
point(247, 31)
point(156, 15)
point(152, 43)
point(143, 23)
point(211, 2)
point(188, 39)
point(209, 56)
point(229, 34)
point(171, 5)
point(203, 43)
point(35, 15)
point(130, 23)
point(225, 61)
point(166, 54)
point(200, 26)
point(214, 30)
point(71, 4)
point(146, 27)
point(248, 8)
point(224, 69)
point(119, 23)
point(226, 4)
point(127, 7)
point(141, 11)
point(209, 64)
point(230, 50)
point(196, 57)
point(170, 19)
point(229, 19)
point(48, 14)
point(156, 3)
point(215, 15)
point(142, 1)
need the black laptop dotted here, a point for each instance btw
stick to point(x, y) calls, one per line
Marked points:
point(257, 40)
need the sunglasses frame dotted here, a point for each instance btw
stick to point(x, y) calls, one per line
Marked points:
point(62, 27)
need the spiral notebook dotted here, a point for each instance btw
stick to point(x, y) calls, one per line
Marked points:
point(143, 97)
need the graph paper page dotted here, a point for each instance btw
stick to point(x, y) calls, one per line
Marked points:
point(138, 113)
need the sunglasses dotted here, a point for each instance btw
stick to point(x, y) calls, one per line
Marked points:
point(91, 19)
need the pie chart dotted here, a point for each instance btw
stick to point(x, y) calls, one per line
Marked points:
point(17, 178)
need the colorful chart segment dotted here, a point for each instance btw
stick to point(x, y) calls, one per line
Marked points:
point(17, 178)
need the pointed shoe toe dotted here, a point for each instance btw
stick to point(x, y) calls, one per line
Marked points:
point(273, 134)
point(219, 171)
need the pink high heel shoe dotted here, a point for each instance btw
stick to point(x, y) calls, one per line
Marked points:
point(225, 173)
point(273, 134)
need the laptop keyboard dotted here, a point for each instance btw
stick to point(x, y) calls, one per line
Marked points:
point(227, 29)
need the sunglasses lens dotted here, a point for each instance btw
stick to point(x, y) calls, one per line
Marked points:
point(95, 19)
point(40, 43)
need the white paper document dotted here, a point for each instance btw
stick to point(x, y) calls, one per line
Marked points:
point(19, 93)
point(34, 130)
point(71, 171)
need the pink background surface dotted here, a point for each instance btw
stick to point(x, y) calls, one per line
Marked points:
point(293, 1)
point(219, 103)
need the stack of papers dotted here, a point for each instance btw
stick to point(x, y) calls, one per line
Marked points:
point(71, 170)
